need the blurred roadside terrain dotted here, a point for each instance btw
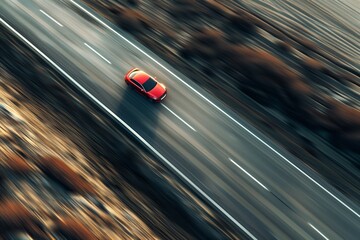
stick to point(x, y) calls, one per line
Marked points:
point(68, 172)
point(291, 69)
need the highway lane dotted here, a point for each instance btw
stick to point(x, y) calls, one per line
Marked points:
point(285, 205)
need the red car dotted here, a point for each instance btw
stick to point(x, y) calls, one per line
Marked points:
point(146, 85)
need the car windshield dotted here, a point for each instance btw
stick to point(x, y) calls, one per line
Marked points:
point(149, 84)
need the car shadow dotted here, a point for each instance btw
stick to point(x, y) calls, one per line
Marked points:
point(139, 113)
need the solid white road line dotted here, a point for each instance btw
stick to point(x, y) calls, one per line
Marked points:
point(97, 53)
point(178, 117)
point(253, 178)
point(318, 231)
point(148, 145)
point(51, 18)
point(218, 108)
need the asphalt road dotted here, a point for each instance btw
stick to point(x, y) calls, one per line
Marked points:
point(260, 187)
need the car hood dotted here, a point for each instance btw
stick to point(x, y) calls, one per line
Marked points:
point(157, 91)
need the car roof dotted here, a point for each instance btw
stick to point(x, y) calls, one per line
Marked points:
point(141, 77)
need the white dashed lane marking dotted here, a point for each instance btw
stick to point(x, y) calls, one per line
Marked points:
point(178, 117)
point(253, 178)
point(43, 12)
point(92, 49)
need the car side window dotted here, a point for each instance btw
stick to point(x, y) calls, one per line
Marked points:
point(136, 83)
